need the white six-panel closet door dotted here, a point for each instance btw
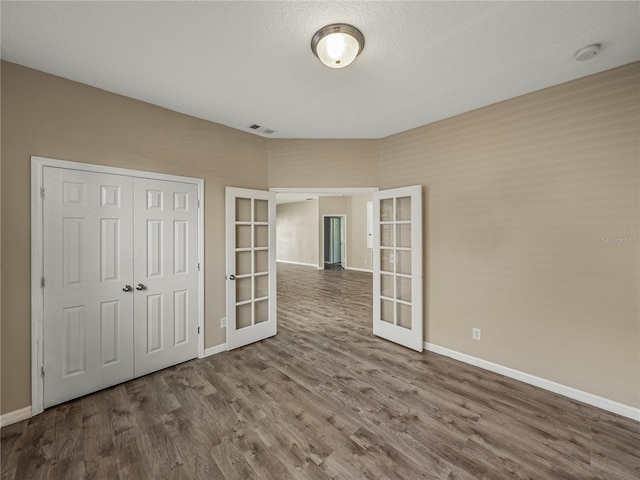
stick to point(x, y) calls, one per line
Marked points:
point(165, 272)
point(88, 317)
point(121, 279)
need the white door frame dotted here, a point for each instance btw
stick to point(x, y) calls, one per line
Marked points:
point(326, 191)
point(37, 258)
point(343, 235)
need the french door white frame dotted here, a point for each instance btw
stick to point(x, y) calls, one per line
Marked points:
point(390, 328)
point(37, 258)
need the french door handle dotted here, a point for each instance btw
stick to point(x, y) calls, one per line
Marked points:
point(231, 277)
point(127, 288)
point(140, 286)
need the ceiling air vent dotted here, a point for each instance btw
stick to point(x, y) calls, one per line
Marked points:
point(259, 128)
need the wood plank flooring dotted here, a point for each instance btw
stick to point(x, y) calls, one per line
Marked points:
point(324, 399)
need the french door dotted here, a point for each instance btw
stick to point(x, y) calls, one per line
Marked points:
point(250, 266)
point(120, 281)
point(397, 266)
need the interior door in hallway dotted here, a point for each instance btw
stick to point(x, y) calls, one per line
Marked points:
point(335, 240)
point(397, 266)
point(88, 273)
point(251, 266)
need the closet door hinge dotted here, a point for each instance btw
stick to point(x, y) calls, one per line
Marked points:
point(42, 371)
point(198, 203)
point(198, 330)
point(41, 282)
point(42, 192)
point(198, 266)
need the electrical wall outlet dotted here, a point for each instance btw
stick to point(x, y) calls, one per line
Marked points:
point(475, 334)
point(223, 322)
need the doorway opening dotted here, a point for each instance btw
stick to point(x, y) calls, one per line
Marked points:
point(389, 233)
point(304, 236)
point(335, 241)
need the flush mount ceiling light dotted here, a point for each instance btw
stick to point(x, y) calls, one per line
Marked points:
point(337, 45)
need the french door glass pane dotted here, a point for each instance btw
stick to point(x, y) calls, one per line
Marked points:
point(243, 316)
point(254, 263)
point(262, 285)
point(386, 210)
point(386, 235)
point(404, 262)
point(261, 236)
point(262, 261)
point(262, 311)
point(243, 263)
point(243, 236)
point(386, 311)
point(403, 315)
point(243, 289)
point(403, 235)
point(385, 260)
point(261, 211)
point(403, 289)
point(386, 286)
point(243, 209)
point(403, 208)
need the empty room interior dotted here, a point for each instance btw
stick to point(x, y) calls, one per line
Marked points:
point(320, 240)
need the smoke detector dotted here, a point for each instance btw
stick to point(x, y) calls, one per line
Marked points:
point(587, 53)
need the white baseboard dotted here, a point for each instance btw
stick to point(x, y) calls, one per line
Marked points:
point(367, 270)
point(314, 265)
point(215, 349)
point(582, 396)
point(15, 416)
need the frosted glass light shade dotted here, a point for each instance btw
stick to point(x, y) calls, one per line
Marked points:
point(337, 45)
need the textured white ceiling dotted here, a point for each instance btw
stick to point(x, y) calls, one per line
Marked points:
point(240, 63)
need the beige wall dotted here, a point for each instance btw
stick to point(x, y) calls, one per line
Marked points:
point(358, 255)
point(297, 232)
point(323, 163)
point(52, 117)
point(521, 197)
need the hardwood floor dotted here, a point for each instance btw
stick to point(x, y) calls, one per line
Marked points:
point(324, 399)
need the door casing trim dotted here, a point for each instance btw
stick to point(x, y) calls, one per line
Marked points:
point(37, 258)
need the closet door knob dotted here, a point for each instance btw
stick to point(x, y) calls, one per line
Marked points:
point(127, 288)
point(140, 286)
